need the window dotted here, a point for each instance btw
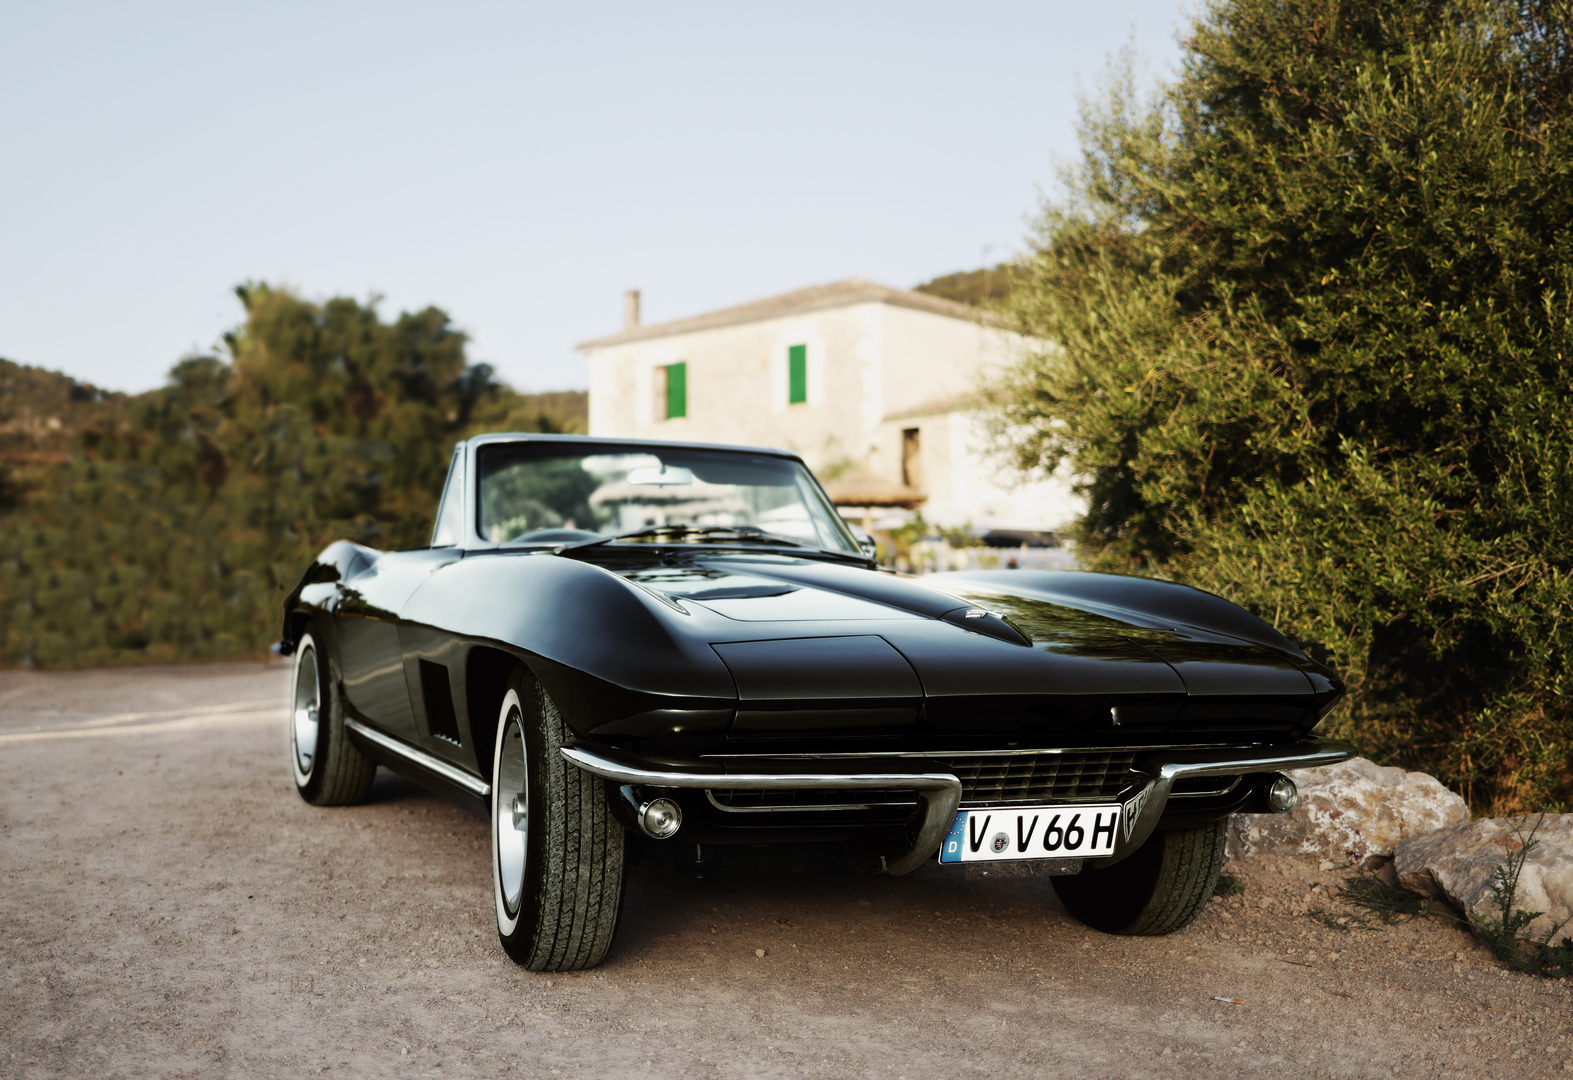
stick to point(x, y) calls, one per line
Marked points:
point(450, 515)
point(671, 391)
point(912, 457)
point(545, 493)
point(797, 374)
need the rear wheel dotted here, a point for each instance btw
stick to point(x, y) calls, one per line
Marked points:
point(1157, 889)
point(557, 852)
point(329, 770)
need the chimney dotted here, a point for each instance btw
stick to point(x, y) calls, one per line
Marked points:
point(631, 309)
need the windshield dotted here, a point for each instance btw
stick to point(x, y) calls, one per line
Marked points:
point(554, 493)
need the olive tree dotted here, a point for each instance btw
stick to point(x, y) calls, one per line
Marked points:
point(1309, 310)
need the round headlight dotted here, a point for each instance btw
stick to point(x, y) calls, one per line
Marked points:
point(660, 818)
point(1282, 795)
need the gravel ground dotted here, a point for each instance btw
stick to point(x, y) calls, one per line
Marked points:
point(169, 907)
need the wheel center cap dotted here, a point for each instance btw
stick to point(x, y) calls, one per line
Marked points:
point(520, 812)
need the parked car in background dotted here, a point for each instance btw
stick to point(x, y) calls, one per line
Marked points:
point(612, 642)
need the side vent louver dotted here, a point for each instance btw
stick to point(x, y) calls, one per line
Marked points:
point(439, 702)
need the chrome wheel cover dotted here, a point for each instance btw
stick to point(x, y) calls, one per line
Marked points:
point(305, 713)
point(510, 809)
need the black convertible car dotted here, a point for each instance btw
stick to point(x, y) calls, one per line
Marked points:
point(613, 642)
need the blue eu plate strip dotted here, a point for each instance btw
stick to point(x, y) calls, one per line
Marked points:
point(950, 850)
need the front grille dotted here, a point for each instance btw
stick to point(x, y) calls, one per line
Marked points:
point(985, 778)
point(1028, 778)
point(810, 799)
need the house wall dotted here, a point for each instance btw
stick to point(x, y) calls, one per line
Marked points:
point(737, 384)
point(931, 360)
point(875, 370)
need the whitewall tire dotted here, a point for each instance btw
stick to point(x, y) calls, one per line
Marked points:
point(556, 850)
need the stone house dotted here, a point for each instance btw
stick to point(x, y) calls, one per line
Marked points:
point(875, 387)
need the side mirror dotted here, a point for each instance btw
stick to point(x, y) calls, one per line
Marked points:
point(869, 545)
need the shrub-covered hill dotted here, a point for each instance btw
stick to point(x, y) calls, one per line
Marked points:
point(988, 287)
point(167, 526)
point(40, 411)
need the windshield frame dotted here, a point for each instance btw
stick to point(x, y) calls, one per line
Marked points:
point(474, 540)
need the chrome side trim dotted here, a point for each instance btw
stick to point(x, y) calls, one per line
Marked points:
point(473, 784)
point(940, 793)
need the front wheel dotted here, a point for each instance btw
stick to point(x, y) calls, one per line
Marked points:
point(1157, 889)
point(557, 852)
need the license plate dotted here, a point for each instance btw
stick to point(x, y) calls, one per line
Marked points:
point(1031, 832)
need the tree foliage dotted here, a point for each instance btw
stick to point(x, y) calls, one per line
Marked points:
point(1311, 303)
point(169, 526)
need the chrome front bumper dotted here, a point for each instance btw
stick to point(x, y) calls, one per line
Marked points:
point(1141, 804)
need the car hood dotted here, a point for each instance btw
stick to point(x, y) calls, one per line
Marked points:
point(1001, 635)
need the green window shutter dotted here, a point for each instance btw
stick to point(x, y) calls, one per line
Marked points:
point(676, 390)
point(797, 374)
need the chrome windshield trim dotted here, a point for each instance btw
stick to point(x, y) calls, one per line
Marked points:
point(473, 784)
point(939, 793)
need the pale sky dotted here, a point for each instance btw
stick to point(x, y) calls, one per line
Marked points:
point(518, 165)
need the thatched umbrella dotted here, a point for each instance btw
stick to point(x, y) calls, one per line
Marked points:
point(866, 488)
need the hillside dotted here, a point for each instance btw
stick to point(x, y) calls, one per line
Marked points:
point(986, 287)
point(39, 410)
point(41, 414)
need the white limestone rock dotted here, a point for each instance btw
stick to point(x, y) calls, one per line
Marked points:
point(1349, 812)
point(1456, 864)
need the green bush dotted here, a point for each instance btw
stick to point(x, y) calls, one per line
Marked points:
point(1310, 303)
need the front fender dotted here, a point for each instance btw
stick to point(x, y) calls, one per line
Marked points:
point(1163, 601)
point(607, 650)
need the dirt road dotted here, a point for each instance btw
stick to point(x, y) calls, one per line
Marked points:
point(169, 907)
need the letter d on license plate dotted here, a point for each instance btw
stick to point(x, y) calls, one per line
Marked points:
point(1031, 832)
